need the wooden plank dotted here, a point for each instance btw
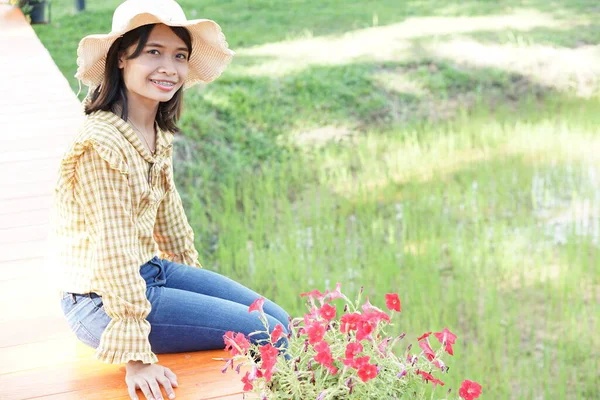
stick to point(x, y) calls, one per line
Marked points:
point(34, 330)
point(17, 205)
point(29, 269)
point(37, 297)
point(18, 234)
point(198, 375)
point(23, 250)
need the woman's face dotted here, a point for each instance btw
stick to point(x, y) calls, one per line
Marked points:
point(160, 69)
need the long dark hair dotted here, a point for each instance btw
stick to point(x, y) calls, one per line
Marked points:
point(110, 95)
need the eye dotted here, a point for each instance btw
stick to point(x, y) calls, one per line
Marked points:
point(182, 56)
point(153, 51)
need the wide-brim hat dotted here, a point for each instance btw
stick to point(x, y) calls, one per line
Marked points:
point(210, 51)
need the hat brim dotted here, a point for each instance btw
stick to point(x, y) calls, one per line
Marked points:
point(210, 51)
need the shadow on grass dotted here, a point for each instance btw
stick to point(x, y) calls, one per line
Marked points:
point(238, 122)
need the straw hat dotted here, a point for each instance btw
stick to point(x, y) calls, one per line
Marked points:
point(210, 52)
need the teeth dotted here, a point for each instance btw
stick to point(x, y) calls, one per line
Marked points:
point(163, 83)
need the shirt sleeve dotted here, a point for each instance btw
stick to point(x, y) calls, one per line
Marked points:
point(172, 231)
point(102, 190)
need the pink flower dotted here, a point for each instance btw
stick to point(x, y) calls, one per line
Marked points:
point(368, 306)
point(247, 383)
point(352, 349)
point(439, 364)
point(336, 294)
point(327, 312)
point(315, 332)
point(277, 332)
point(365, 328)
point(447, 338)
point(324, 357)
point(424, 336)
point(268, 355)
point(376, 315)
point(427, 350)
point(257, 305)
point(429, 378)
point(361, 361)
point(349, 322)
point(312, 294)
point(367, 372)
point(392, 301)
point(469, 390)
point(236, 343)
point(383, 345)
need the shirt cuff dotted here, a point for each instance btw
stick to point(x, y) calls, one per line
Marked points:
point(188, 257)
point(131, 333)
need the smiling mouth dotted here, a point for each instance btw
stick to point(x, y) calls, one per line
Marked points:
point(165, 84)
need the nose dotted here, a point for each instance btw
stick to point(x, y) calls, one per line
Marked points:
point(167, 67)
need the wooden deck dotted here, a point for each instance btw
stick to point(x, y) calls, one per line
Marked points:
point(39, 356)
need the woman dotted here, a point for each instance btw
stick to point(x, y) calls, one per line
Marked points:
point(132, 283)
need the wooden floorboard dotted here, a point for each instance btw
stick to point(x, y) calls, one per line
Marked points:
point(40, 358)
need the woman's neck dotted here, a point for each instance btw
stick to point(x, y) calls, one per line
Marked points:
point(142, 112)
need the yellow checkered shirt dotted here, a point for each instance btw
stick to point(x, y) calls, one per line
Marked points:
point(116, 207)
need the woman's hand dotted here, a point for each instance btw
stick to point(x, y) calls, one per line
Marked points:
point(147, 377)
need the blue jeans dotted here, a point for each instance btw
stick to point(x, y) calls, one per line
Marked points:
point(191, 309)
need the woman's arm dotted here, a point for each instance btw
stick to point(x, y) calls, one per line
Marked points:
point(172, 231)
point(104, 194)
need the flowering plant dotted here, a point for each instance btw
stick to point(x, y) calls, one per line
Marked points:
point(347, 358)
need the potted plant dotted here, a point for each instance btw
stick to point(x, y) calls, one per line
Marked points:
point(37, 11)
point(347, 357)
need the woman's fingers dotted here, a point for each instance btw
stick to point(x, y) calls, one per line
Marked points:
point(166, 382)
point(146, 390)
point(131, 390)
point(172, 377)
point(156, 392)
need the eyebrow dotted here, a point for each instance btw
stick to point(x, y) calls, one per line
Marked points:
point(162, 47)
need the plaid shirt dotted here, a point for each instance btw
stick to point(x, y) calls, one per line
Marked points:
point(116, 207)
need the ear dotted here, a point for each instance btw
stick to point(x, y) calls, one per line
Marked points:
point(121, 63)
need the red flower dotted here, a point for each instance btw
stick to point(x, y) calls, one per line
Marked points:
point(447, 338)
point(277, 332)
point(327, 312)
point(336, 294)
point(257, 305)
point(236, 343)
point(349, 322)
point(439, 364)
point(427, 350)
point(315, 332)
point(425, 375)
point(365, 328)
point(268, 355)
point(367, 372)
point(435, 381)
point(469, 390)
point(352, 349)
point(429, 378)
point(424, 336)
point(392, 301)
point(361, 361)
point(312, 294)
point(332, 369)
point(383, 345)
point(247, 383)
point(323, 356)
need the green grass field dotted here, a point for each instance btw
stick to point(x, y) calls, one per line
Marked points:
point(444, 150)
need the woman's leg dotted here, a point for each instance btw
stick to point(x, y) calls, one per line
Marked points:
point(191, 279)
point(193, 308)
point(187, 321)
